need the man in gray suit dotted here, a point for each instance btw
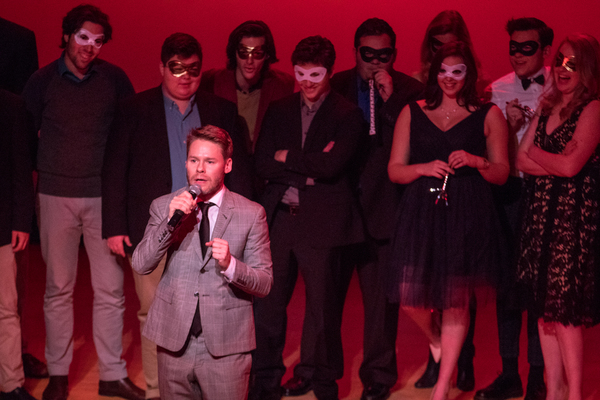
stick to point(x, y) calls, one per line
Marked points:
point(201, 318)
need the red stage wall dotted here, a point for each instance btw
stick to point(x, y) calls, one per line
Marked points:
point(141, 26)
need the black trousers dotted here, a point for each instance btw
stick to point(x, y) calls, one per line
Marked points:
point(321, 345)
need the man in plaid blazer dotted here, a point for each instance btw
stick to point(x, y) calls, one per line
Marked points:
point(201, 318)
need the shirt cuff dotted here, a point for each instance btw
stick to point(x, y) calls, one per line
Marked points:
point(229, 273)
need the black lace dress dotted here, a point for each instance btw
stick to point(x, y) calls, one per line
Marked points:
point(559, 248)
point(440, 253)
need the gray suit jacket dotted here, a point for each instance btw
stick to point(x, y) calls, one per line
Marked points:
point(225, 307)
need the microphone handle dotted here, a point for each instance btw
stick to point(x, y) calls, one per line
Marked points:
point(175, 219)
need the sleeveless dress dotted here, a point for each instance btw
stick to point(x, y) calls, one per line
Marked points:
point(559, 247)
point(441, 254)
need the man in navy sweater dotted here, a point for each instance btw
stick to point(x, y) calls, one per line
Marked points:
point(73, 101)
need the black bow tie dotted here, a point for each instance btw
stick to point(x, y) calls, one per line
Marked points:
point(526, 82)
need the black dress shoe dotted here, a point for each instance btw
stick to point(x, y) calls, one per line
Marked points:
point(504, 387)
point(465, 380)
point(376, 391)
point(57, 389)
point(33, 367)
point(296, 386)
point(430, 376)
point(264, 395)
point(535, 391)
point(122, 388)
point(17, 394)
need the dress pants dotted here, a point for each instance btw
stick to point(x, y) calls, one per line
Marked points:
point(145, 287)
point(193, 373)
point(321, 346)
point(380, 316)
point(62, 222)
point(509, 305)
point(11, 366)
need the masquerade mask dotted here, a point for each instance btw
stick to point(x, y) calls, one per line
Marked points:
point(83, 37)
point(245, 52)
point(435, 44)
point(457, 71)
point(178, 68)
point(527, 48)
point(314, 75)
point(368, 54)
point(567, 62)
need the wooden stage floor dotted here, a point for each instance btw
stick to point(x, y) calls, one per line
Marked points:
point(411, 345)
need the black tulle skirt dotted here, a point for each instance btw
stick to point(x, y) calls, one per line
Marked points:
point(442, 255)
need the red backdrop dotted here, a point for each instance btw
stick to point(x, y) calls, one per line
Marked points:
point(141, 26)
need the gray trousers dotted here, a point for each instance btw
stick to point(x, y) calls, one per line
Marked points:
point(145, 287)
point(11, 366)
point(63, 221)
point(193, 373)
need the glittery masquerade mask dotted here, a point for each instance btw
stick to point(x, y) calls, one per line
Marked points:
point(257, 53)
point(178, 68)
point(567, 62)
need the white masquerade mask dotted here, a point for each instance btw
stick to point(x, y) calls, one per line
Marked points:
point(456, 71)
point(314, 75)
point(83, 37)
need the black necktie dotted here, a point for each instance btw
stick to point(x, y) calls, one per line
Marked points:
point(204, 226)
point(526, 82)
point(204, 237)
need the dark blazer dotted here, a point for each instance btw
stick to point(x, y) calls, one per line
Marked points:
point(275, 85)
point(18, 56)
point(190, 279)
point(378, 196)
point(16, 182)
point(137, 163)
point(328, 210)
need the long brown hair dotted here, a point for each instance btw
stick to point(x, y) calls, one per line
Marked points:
point(587, 57)
point(448, 21)
point(467, 96)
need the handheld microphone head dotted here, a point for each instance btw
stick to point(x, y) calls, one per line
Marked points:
point(195, 191)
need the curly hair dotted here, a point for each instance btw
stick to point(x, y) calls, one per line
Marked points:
point(75, 19)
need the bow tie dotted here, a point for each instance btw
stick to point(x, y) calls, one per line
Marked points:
point(526, 82)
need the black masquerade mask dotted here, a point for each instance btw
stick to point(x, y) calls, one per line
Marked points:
point(527, 48)
point(368, 54)
point(435, 44)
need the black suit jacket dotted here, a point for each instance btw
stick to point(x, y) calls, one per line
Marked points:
point(328, 210)
point(378, 196)
point(137, 163)
point(18, 56)
point(16, 182)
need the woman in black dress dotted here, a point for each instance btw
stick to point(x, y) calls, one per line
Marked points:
point(447, 148)
point(560, 243)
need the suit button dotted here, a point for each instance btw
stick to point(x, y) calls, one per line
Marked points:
point(195, 294)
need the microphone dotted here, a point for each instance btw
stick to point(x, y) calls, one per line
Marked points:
point(178, 214)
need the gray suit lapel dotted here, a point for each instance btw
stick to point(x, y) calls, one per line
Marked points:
point(224, 217)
